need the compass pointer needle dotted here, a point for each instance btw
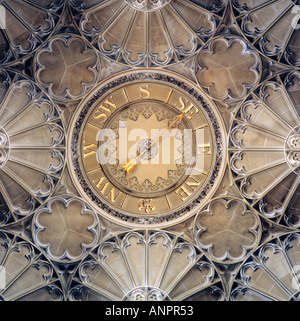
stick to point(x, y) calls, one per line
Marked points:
point(130, 164)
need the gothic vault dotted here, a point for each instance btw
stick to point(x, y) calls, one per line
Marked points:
point(70, 231)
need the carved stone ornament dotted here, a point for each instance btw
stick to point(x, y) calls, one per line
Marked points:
point(149, 32)
point(65, 228)
point(264, 153)
point(228, 68)
point(261, 277)
point(32, 147)
point(67, 67)
point(227, 230)
point(155, 192)
point(120, 268)
point(31, 275)
point(149, 151)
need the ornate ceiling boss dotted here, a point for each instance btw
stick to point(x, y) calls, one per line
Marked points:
point(146, 148)
point(149, 150)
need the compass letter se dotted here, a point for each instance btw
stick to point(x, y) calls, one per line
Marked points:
point(295, 21)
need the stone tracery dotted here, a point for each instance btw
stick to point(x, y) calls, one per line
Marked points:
point(260, 99)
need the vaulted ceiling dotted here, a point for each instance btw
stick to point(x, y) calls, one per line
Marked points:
point(242, 242)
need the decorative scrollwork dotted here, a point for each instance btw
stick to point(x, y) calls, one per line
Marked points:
point(228, 220)
point(32, 140)
point(125, 263)
point(228, 68)
point(30, 276)
point(264, 152)
point(76, 231)
point(62, 57)
point(272, 273)
point(131, 35)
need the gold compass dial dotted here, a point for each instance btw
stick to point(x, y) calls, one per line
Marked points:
point(160, 166)
point(146, 148)
point(139, 121)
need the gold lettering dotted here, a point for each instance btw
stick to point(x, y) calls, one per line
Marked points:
point(192, 183)
point(100, 116)
point(89, 148)
point(203, 148)
point(187, 188)
point(112, 195)
point(145, 91)
point(101, 183)
point(108, 106)
point(187, 107)
point(107, 189)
